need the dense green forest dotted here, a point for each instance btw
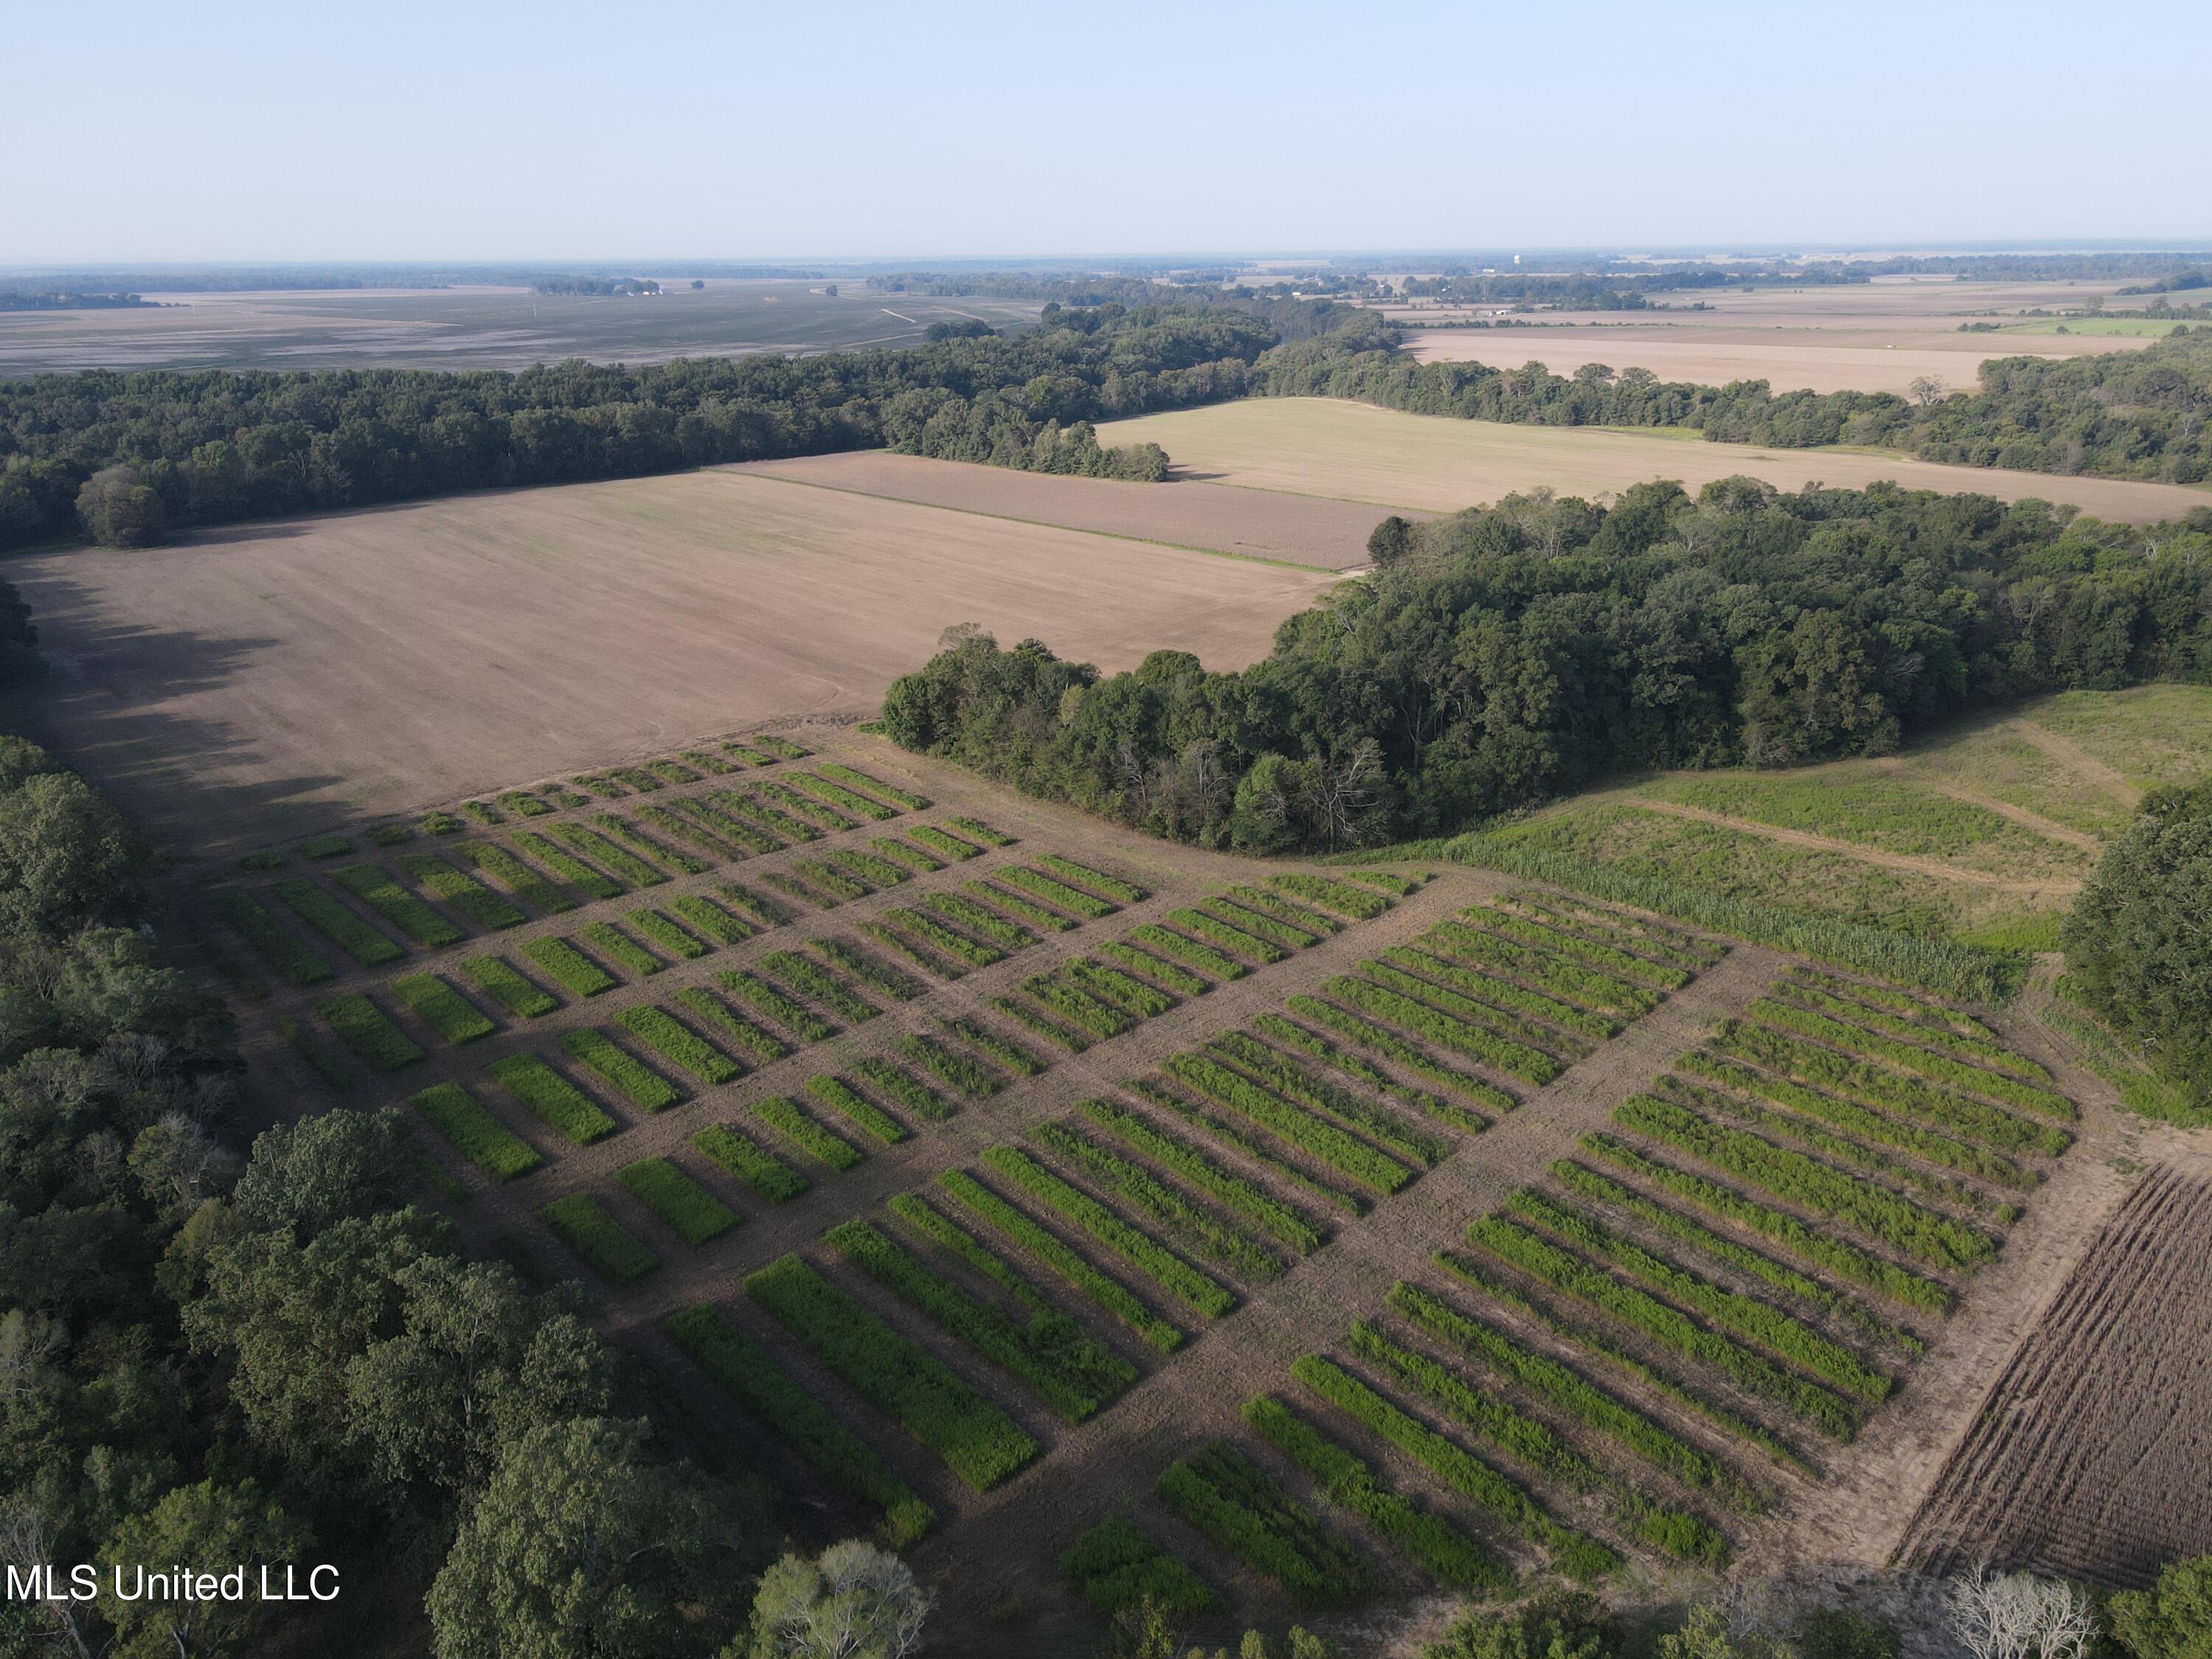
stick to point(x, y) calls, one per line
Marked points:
point(217, 1351)
point(161, 451)
point(1511, 653)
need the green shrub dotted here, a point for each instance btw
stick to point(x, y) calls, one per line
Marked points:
point(1118, 1567)
point(738, 1155)
point(1254, 1145)
point(1109, 1293)
point(474, 899)
point(615, 946)
point(1163, 1267)
point(475, 1135)
point(638, 1082)
point(1243, 1510)
point(1072, 1372)
point(335, 922)
point(915, 951)
point(574, 871)
point(780, 828)
point(524, 804)
point(731, 1027)
point(363, 1028)
point(610, 1247)
point(870, 1118)
point(1042, 1024)
point(1540, 932)
point(979, 1443)
point(782, 1115)
point(679, 1044)
point(446, 1010)
point(569, 967)
point(1003, 1050)
point(552, 1099)
point(515, 875)
point(697, 1214)
point(293, 960)
point(1433, 1544)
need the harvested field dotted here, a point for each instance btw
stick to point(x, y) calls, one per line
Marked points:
point(1355, 451)
point(1216, 518)
point(268, 682)
point(2091, 1455)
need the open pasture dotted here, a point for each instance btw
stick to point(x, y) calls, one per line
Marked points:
point(1356, 451)
point(468, 327)
point(272, 680)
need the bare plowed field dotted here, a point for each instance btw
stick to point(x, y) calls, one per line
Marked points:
point(295, 674)
point(2093, 1454)
point(1355, 452)
point(1255, 524)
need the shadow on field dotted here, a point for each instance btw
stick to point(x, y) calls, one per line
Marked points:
point(102, 698)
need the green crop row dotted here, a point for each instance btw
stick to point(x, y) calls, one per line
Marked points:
point(475, 1135)
point(1245, 1512)
point(552, 1099)
point(1792, 1176)
point(939, 938)
point(295, 960)
point(375, 886)
point(845, 800)
point(1618, 927)
point(1515, 1059)
point(810, 979)
point(1746, 1316)
point(1355, 1028)
point(903, 1086)
point(758, 907)
point(958, 1242)
point(697, 1214)
point(1117, 1567)
point(1245, 919)
point(1358, 903)
point(977, 829)
point(798, 1418)
point(1037, 885)
point(571, 869)
point(1255, 1203)
point(1481, 1015)
point(335, 922)
point(610, 1247)
point(1572, 1276)
point(1085, 1012)
point(779, 827)
point(1896, 1001)
point(1130, 994)
point(664, 930)
point(913, 858)
point(1558, 975)
point(1844, 1259)
point(912, 949)
point(1939, 1068)
point(1096, 881)
point(463, 891)
point(1286, 1076)
point(638, 1082)
point(1189, 952)
point(782, 1115)
point(1198, 1290)
point(677, 1043)
point(739, 834)
point(1389, 880)
point(1347, 1480)
point(1109, 1293)
point(525, 883)
point(1303, 917)
point(1577, 1557)
point(707, 838)
point(782, 747)
point(622, 830)
point(1663, 976)
point(805, 806)
point(619, 948)
point(938, 841)
point(731, 1027)
point(1254, 1145)
point(1217, 932)
point(1013, 904)
point(1002, 1049)
point(499, 981)
point(1294, 1125)
point(868, 867)
point(365, 1029)
point(1982, 1051)
point(569, 967)
point(739, 1155)
point(1569, 1391)
point(869, 971)
point(1136, 1185)
point(957, 910)
point(1503, 994)
point(1864, 1120)
point(325, 847)
point(870, 1118)
point(957, 1071)
point(854, 778)
point(1179, 980)
point(710, 919)
point(1041, 1023)
point(1291, 1035)
point(1072, 1372)
point(757, 992)
point(823, 878)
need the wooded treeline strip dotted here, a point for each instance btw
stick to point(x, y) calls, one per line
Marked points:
point(1515, 653)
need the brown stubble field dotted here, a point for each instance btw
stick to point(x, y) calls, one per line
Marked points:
point(270, 679)
point(1877, 338)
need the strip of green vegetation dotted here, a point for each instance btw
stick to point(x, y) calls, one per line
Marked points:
point(757, 994)
point(654, 852)
point(1482, 1014)
point(903, 1086)
point(1938, 1068)
point(943, 843)
point(638, 1082)
point(615, 861)
point(853, 777)
point(612, 1248)
point(569, 967)
point(364, 1028)
point(800, 1419)
point(912, 857)
point(574, 871)
point(325, 847)
point(738, 1155)
point(293, 960)
point(470, 897)
point(731, 1027)
point(1197, 1290)
point(619, 948)
point(679, 1044)
point(335, 922)
point(864, 1114)
point(977, 829)
point(515, 875)
point(497, 978)
point(1255, 1203)
point(1002, 1049)
point(1557, 975)
point(782, 1115)
point(552, 1099)
point(1377, 1039)
point(1245, 1512)
point(1139, 1187)
point(1118, 1567)
point(1285, 1076)
point(940, 939)
point(1181, 981)
point(978, 1442)
point(957, 1071)
point(845, 800)
point(1108, 1292)
point(662, 930)
point(697, 1214)
point(1218, 934)
point(1037, 885)
point(1322, 1139)
point(810, 979)
point(447, 1011)
point(1432, 1026)
point(1291, 1035)
point(475, 1135)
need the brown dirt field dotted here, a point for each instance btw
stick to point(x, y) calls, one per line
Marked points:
point(1219, 518)
point(252, 685)
point(2092, 1456)
point(1356, 451)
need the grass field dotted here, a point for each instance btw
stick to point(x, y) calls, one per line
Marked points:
point(1355, 452)
point(291, 674)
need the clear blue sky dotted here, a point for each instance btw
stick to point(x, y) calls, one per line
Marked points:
point(473, 129)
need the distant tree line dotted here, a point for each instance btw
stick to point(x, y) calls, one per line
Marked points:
point(598, 286)
point(251, 279)
point(1509, 654)
point(2125, 414)
point(129, 458)
point(64, 299)
point(2195, 276)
